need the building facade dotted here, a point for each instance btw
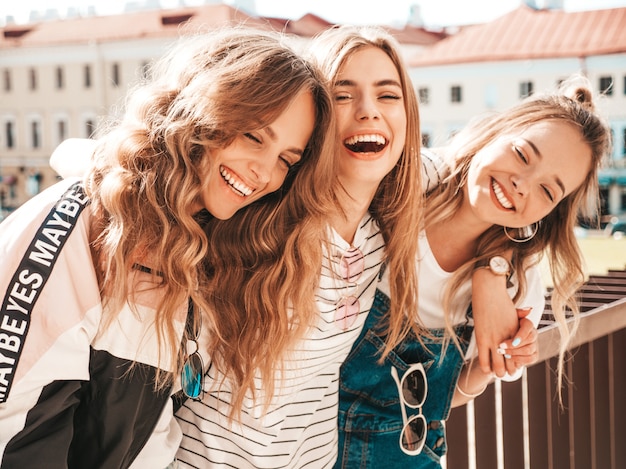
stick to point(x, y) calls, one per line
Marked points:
point(61, 78)
point(493, 66)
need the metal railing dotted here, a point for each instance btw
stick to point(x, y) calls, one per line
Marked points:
point(522, 425)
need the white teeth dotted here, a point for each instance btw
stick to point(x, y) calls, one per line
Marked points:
point(506, 203)
point(235, 184)
point(370, 138)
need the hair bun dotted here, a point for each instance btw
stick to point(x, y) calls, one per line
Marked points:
point(583, 95)
point(578, 88)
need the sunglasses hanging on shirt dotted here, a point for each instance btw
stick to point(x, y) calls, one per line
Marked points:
point(192, 373)
point(350, 267)
point(412, 389)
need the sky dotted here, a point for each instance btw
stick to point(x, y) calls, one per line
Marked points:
point(435, 13)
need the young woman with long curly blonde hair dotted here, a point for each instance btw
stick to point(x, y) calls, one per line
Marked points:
point(97, 344)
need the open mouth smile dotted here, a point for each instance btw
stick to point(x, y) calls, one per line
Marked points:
point(500, 197)
point(235, 184)
point(369, 143)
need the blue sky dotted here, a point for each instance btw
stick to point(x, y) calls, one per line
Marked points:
point(385, 12)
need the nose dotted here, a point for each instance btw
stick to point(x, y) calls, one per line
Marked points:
point(262, 167)
point(520, 184)
point(367, 109)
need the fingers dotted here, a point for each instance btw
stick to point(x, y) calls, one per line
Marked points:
point(484, 359)
point(498, 365)
point(521, 351)
point(527, 333)
point(516, 351)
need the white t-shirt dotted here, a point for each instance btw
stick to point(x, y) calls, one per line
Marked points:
point(432, 284)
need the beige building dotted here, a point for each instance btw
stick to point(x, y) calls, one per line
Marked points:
point(60, 78)
point(492, 66)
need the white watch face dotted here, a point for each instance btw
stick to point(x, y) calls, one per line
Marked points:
point(499, 265)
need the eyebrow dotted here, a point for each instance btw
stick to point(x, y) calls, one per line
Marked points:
point(385, 82)
point(540, 156)
point(272, 135)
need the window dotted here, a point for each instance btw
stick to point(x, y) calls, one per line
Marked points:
point(87, 76)
point(90, 128)
point(9, 134)
point(35, 134)
point(525, 89)
point(606, 85)
point(624, 142)
point(115, 74)
point(425, 139)
point(60, 78)
point(32, 73)
point(624, 84)
point(424, 95)
point(6, 77)
point(455, 94)
point(33, 183)
point(61, 130)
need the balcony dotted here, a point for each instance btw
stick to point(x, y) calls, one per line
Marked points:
point(521, 425)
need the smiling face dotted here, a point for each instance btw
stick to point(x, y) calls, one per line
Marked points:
point(521, 177)
point(371, 118)
point(256, 163)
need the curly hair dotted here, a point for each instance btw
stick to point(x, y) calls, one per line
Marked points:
point(146, 181)
point(397, 204)
point(573, 104)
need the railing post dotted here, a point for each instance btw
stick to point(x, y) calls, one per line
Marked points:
point(539, 403)
point(456, 434)
point(617, 424)
point(485, 418)
point(513, 424)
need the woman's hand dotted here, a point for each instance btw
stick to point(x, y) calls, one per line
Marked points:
point(519, 352)
point(495, 320)
point(523, 349)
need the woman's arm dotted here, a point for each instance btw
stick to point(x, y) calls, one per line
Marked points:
point(519, 349)
point(72, 157)
point(520, 352)
point(495, 317)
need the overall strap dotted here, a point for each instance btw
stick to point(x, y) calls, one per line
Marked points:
point(30, 277)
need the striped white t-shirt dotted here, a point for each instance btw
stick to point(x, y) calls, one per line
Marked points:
point(300, 427)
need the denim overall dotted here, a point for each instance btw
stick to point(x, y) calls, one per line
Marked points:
point(370, 417)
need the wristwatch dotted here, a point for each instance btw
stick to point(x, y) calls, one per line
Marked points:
point(497, 264)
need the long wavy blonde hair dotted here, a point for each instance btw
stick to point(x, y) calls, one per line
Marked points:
point(147, 178)
point(397, 204)
point(572, 104)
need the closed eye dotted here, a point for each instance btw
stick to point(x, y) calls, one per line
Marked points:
point(287, 162)
point(391, 96)
point(548, 193)
point(520, 154)
point(342, 96)
point(252, 137)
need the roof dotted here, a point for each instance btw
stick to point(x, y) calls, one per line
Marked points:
point(135, 25)
point(416, 35)
point(526, 33)
point(170, 23)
